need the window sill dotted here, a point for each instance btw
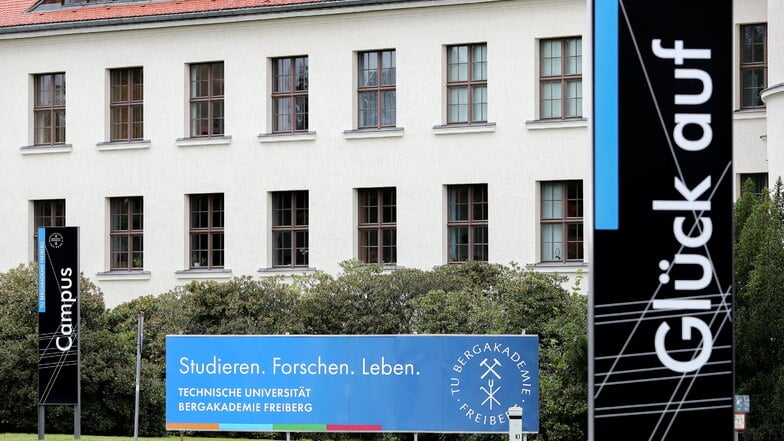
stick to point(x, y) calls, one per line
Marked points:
point(286, 271)
point(755, 113)
point(46, 149)
point(540, 124)
point(123, 145)
point(560, 267)
point(455, 129)
point(387, 132)
point(203, 142)
point(286, 137)
point(202, 274)
point(117, 275)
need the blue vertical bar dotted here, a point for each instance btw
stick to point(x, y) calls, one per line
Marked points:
point(41, 269)
point(605, 139)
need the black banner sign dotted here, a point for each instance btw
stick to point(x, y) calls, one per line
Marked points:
point(58, 315)
point(662, 319)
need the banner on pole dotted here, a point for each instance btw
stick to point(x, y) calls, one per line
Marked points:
point(662, 319)
point(58, 316)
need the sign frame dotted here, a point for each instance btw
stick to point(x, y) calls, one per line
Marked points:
point(661, 358)
point(351, 383)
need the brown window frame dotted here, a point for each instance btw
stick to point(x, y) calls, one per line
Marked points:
point(760, 181)
point(568, 201)
point(212, 125)
point(297, 94)
point(377, 222)
point(379, 89)
point(294, 206)
point(745, 67)
point(48, 104)
point(47, 213)
point(471, 84)
point(473, 221)
point(212, 254)
point(126, 225)
point(563, 78)
point(126, 104)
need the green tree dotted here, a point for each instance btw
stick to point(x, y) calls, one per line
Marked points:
point(19, 354)
point(759, 325)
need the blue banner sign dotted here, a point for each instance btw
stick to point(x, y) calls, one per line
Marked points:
point(427, 383)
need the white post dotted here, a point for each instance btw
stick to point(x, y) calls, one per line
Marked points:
point(515, 423)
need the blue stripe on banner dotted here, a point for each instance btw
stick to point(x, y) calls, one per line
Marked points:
point(41, 270)
point(606, 114)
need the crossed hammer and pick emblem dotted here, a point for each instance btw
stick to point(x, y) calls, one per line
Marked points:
point(490, 391)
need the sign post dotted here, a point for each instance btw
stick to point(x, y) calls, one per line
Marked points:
point(59, 339)
point(515, 423)
point(661, 322)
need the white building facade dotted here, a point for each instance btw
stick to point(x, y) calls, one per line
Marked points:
point(285, 137)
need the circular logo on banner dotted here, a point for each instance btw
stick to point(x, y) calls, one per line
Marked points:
point(486, 380)
point(55, 240)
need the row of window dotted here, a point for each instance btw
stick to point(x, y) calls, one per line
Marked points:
point(560, 92)
point(467, 226)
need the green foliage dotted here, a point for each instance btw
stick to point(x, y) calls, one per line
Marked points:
point(759, 329)
point(362, 299)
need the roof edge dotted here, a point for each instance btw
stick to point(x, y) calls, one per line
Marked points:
point(186, 16)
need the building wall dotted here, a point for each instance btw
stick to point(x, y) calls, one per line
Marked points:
point(512, 156)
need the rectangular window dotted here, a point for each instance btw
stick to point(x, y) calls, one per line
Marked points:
point(206, 99)
point(562, 221)
point(560, 78)
point(206, 231)
point(466, 84)
point(759, 182)
point(290, 95)
point(753, 64)
point(126, 98)
point(49, 109)
point(467, 222)
point(376, 93)
point(47, 213)
point(378, 225)
point(126, 233)
point(290, 229)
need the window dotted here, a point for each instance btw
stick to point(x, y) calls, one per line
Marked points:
point(376, 89)
point(49, 109)
point(206, 231)
point(126, 233)
point(125, 104)
point(560, 76)
point(467, 222)
point(759, 182)
point(207, 99)
point(753, 64)
point(290, 229)
point(290, 94)
point(466, 84)
point(378, 225)
point(47, 213)
point(562, 221)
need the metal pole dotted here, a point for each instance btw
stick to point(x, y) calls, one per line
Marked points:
point(139, 340)
point(41, 421)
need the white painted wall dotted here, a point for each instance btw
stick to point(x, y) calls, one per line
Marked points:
point(512, 158)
